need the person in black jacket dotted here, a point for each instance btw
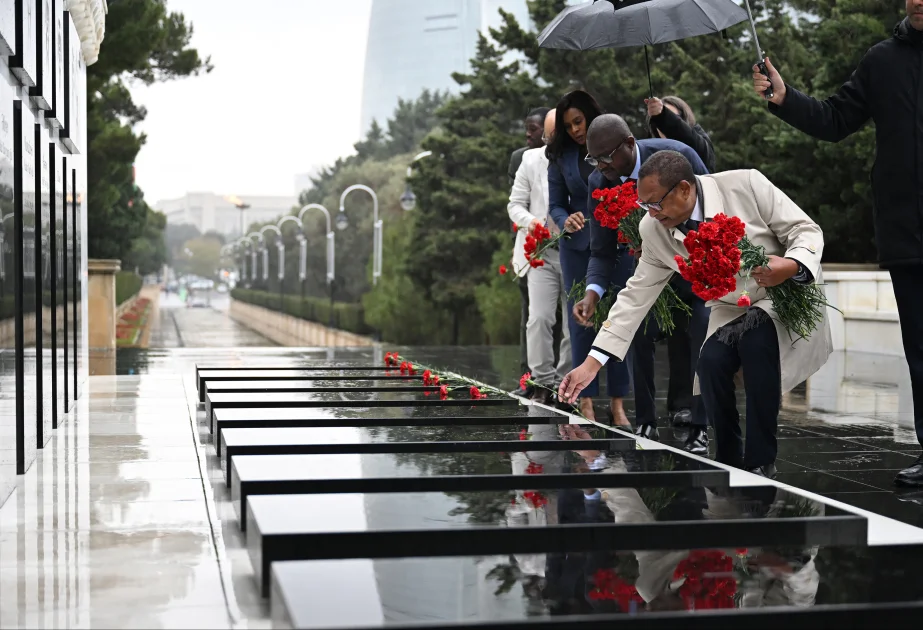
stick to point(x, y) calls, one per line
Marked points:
point(671, 118)
point(887, 87)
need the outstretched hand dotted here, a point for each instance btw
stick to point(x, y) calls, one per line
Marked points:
point(577, 380)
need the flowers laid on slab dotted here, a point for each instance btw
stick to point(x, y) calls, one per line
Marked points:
point(719, 252)
point(618, 210)
point(447, 382)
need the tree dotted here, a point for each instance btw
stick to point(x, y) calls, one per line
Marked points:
point(463, 194)
point(148, 252)
point(144, 42)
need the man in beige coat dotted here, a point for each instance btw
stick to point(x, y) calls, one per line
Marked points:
point(772, 360)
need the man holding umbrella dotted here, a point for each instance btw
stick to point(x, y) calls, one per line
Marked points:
point(886, 88)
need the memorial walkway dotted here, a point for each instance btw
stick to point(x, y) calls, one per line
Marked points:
point(130, 518)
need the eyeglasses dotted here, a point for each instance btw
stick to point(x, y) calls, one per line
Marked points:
point(656, 206)
point(605, 159)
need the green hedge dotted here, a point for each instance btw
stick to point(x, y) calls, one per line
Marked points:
point(349, 317)
point(127, 284)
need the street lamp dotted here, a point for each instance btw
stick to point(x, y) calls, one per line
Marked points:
point(240, 205)
point(251, 235)
point(280, 246)
point(377, 227)
point(243, 242)
point(331, 244)
point(408, 199)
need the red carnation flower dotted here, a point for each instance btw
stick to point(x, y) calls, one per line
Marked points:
point(502, 270)
point(443, 392)
point(744, 300)
point(524, 380)
point(427, 377)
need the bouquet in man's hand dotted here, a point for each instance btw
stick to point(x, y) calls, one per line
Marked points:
point(618, 210)
point(719, 252)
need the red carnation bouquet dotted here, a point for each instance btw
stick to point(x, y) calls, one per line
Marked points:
point(719, 252)
point(618, 210)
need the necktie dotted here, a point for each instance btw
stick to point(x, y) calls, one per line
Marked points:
point(688, 226)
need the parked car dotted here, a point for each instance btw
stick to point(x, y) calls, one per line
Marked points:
point(198, 297)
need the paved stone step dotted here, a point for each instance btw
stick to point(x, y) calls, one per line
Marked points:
point(481, 523)
point(520, 417)
point(405, 439)
point(463, 472)
point(350, 398)
point(212, 376)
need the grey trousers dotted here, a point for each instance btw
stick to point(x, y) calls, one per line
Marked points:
point(547, 298)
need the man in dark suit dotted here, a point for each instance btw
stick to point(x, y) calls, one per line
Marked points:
point(535, 131)
point(618, 158)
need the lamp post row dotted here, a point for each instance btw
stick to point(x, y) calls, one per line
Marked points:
point(408, 202)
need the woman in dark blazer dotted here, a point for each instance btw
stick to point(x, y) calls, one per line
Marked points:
point(568, 194)
point(672, 118)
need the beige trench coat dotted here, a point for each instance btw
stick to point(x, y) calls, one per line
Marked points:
point(773, 221)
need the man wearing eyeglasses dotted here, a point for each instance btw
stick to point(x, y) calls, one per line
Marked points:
point(618, 158)
point(738, 337)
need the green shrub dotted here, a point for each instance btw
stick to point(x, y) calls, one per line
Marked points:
point(346, 316)
point(127, 285)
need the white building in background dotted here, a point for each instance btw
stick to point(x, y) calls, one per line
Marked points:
point(417, 44)
point(209, 211)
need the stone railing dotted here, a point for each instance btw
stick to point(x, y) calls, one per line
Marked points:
point(867, 319)
point(292, 331)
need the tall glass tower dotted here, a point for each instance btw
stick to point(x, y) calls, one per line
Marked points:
point(417, 44)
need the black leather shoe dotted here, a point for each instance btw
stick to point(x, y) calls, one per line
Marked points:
point(912, 476)
point(768, 471)
point(648, 431)
point(697, 442)
point(523, 393)
point(682, 418)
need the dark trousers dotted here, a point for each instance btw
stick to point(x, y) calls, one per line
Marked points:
point(908, 292)
point(574, 265)
point(683, 352)
point(757, 352)
point(556, 332)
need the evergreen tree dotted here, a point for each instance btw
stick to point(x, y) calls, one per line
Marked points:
point(463, 193)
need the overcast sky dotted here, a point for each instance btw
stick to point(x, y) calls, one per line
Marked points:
point(285, 96)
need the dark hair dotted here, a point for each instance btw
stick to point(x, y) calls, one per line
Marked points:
point(578, 99)
point(539, 112)
point(685, 112)
point(670, 167)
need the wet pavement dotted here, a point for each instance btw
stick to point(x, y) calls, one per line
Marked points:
point(125, 520)
point(177, 326)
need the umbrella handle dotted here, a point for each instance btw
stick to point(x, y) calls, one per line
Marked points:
point(647, 63)
point(767, 94)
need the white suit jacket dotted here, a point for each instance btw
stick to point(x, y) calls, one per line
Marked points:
point(773, 221)
point(528, 201)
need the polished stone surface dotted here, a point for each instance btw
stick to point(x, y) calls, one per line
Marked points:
point(538, 520)
point(539, 588)
point(463, 472)
point(411, 439)
point(125, 520)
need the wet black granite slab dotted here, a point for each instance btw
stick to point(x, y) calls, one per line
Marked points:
point(396, 525)
point(463, 472)
point(834, 587)
point(348, 398)
point(431, 416)
point(290, 364)
point(214, 376)
point(325, 385)
point(409, 439)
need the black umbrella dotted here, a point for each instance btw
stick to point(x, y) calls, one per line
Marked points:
point(624, 23)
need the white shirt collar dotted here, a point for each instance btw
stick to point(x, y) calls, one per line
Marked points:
point(634, 173)
point(697, 213)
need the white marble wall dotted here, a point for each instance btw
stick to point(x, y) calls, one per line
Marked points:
point(867, 319)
